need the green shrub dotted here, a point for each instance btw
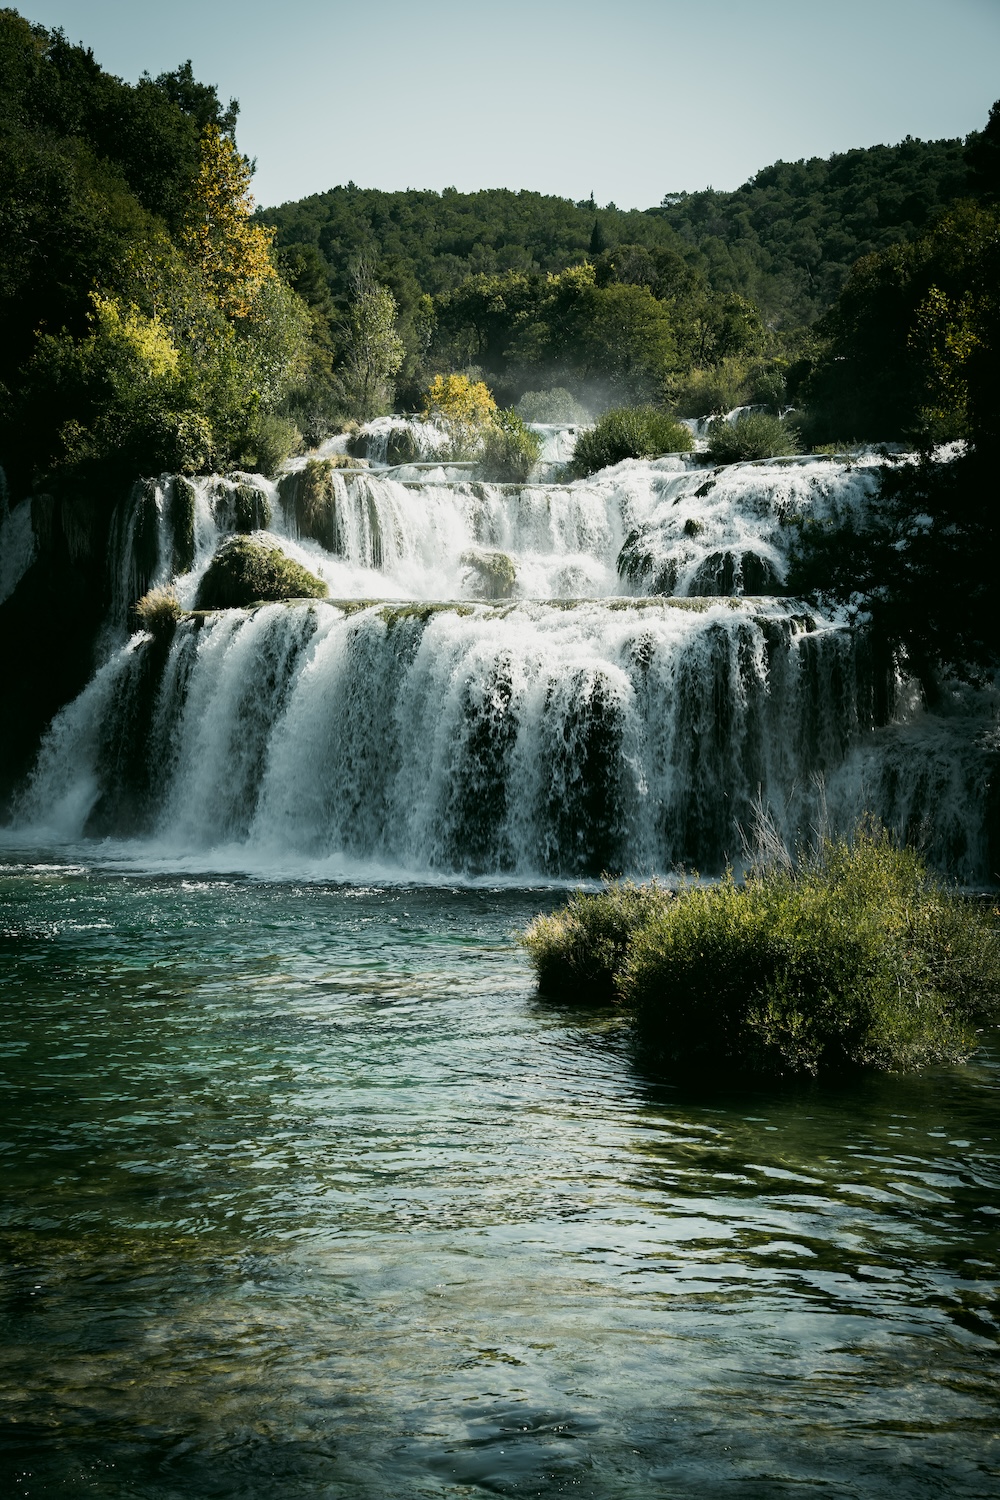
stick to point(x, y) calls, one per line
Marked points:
point(509, 450)
point(403, 446)
point(247, 571)
point(266, 444)
point(755, 434)
point(715, 388)
point(158, 611)
point(627, 432)
point(857, 958)
point(578, 951)
point(309, 500)
point(556, 405)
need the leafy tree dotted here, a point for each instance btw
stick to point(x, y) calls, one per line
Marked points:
point(373, 350)
point(229, 251)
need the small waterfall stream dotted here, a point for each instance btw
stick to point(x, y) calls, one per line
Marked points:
point(620, 703)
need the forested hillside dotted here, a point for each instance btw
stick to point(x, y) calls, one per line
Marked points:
point(786, 238)
point(789, 236)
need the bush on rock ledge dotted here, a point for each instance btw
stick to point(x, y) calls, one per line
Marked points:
point(247, 570)
point(752, 435)
point(628, 432)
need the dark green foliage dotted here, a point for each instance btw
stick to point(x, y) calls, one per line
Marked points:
point(916, 342)
point(403, 446)
point(509, 451)
point(118, 356)
point(920, 565)
point(628, 432)
point(754, 434)
point(241, 507)
point(788, 237)
point(893, 368)
point(308, 498)
point(857, 958)
point(246, 571)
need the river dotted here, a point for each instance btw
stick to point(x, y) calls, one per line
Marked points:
point(307, 1193)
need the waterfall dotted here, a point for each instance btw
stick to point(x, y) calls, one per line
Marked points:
point(17, 545)
point(538, 680)
point(528, 738)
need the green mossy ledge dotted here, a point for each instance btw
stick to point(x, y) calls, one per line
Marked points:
point(246, 570)
point(856, 958)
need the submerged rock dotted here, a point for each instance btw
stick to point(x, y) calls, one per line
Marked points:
point(491, 575)
point(246, 570)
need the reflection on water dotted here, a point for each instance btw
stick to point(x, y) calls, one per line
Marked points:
point(306, 1194)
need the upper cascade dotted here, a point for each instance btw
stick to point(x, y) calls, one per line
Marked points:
point(428, 531)
point(544, 679)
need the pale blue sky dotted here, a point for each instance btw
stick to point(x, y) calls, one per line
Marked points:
point(625, 98)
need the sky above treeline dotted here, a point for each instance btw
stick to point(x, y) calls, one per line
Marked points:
point(627, 100)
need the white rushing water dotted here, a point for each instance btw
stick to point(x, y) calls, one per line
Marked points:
point(619, 700)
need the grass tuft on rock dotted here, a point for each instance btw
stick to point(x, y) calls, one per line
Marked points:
point(855, 958)
point(158, 611)
point(247, 570)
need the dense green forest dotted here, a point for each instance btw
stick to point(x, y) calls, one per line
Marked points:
point(154, 320)
point(786, 239)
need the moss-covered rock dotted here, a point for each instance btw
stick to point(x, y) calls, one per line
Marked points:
point(246, 570)
point(241, 507)
point(403, 446)
point(732, 572)
point(309, 501)
point(491, 575)
point(181, 511)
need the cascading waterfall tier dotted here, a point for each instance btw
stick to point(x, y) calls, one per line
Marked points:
point(532, 738)
point(535, 680)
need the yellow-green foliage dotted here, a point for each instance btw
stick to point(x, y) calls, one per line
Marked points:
point(246, 570)
point(464, 407)
point(857, 958)
point(230, 251)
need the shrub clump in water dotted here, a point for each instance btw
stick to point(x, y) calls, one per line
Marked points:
point(857, 958)
point(246, 570)
point(755, 434)
point(627, 432)
point(555, 405)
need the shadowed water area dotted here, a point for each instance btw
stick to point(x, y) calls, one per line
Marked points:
point(305, 1193)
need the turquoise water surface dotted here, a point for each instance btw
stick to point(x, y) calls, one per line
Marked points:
point(305, 1193)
